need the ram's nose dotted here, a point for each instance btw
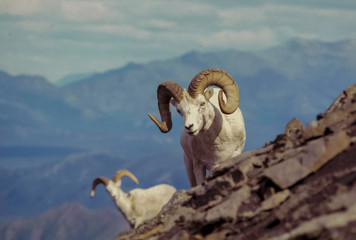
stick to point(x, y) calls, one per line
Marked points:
point(189, 127)
point(191, 130)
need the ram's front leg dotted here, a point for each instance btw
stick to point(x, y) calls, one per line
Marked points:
point(190, 171)
point(199, 172)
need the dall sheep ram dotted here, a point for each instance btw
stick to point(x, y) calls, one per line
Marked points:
point(139, 205)
point(213, 130)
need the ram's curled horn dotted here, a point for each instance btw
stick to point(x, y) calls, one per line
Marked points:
point(220, 79)
point(119, 174)
point(97, 181)
point(165, 92)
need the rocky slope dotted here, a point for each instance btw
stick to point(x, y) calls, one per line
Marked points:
point(300, 186)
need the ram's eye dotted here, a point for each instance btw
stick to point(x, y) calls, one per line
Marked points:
point(202, 104)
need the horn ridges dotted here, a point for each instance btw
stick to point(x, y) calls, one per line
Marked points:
point(220, 79)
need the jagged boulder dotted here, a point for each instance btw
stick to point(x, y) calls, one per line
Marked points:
point(302, 185)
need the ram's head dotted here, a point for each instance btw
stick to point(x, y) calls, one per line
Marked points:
point(114, 183)
point(192, 104)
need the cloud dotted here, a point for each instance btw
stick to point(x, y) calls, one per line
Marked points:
point(117, 32)
point(35, 25)
point(71, 10)
point(264, 14)
point(87, 10)
point(280, 22)
point(172, 9)
point(241, 15)
point(230, 37)
point(22, 7)
point(124, 30)
point(160, 24)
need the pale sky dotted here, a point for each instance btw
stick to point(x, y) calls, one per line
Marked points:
point(54, 38)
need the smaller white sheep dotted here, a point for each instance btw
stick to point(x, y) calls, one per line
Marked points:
point(139, 205)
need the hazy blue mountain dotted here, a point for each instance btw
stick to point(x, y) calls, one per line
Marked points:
point(33, 111)
point(55, 139)
point(67, 221)
point(32, 190)
point(72, 78)
point(132, 89)
point(297, 79)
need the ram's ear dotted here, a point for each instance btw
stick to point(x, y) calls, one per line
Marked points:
point(208, 93)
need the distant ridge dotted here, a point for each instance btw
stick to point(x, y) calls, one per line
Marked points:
point(67, 221)
point(72, 78)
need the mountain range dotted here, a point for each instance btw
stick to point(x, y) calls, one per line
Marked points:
point(67, 221)
point(55, 139)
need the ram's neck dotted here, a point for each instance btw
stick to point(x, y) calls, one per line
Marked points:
point(121, 200)
point(213, 125)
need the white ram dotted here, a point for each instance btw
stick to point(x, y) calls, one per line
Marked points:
point(139, 205)
point(213, 130)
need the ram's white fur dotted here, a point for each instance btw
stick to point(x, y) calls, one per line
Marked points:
point(139, 205)
point(208, 136)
